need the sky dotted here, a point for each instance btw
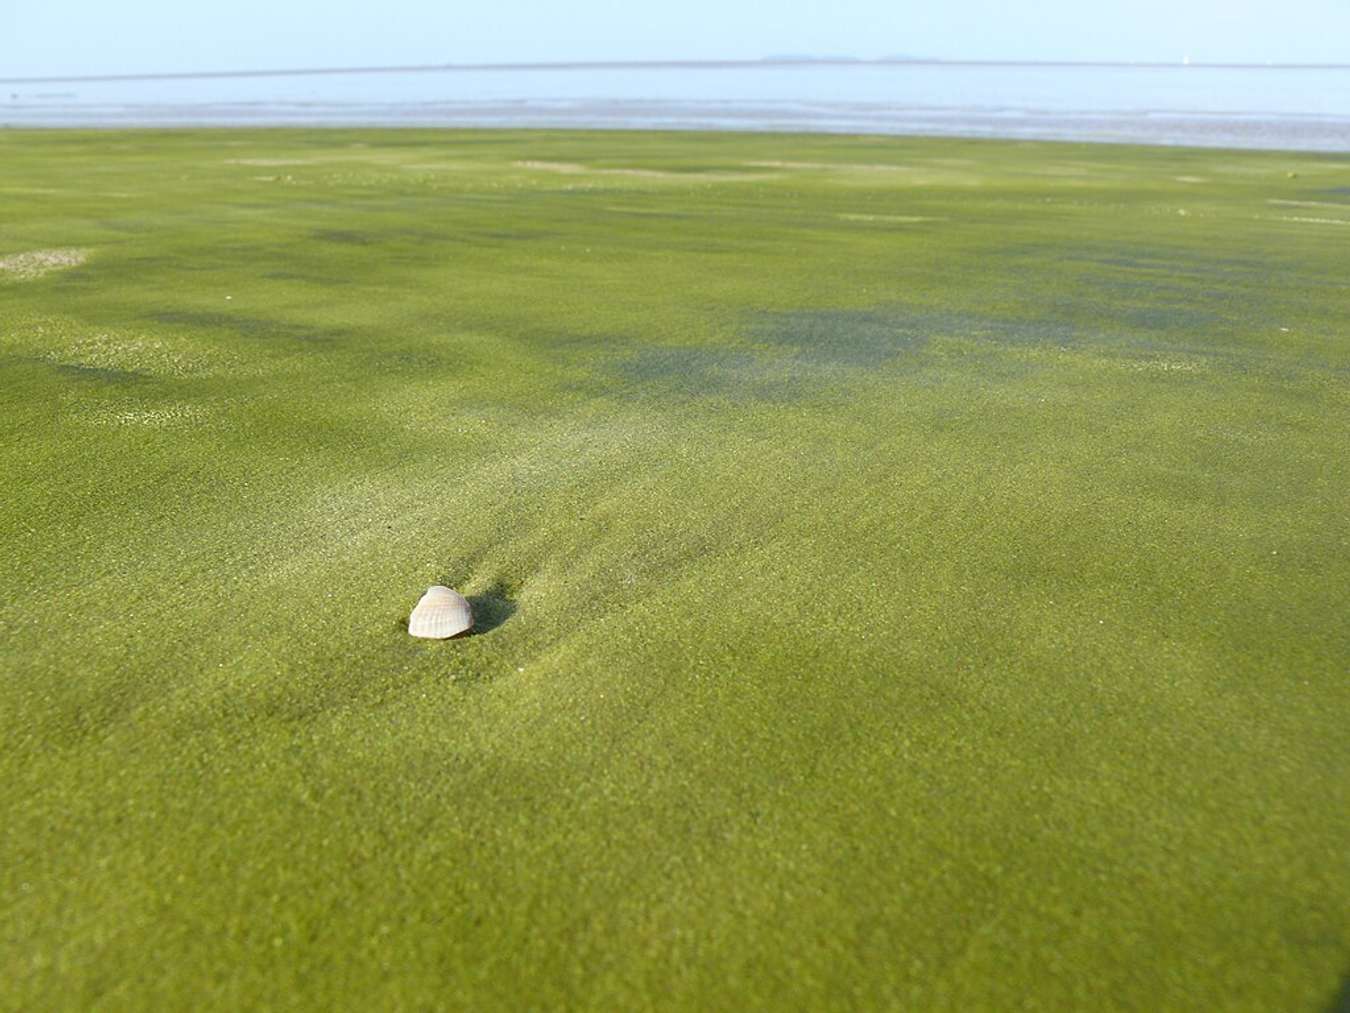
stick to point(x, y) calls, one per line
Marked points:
point(139, 36)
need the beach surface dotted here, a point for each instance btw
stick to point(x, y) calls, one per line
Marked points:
point(909, 573)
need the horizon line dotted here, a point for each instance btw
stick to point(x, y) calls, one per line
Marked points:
point(734, 64)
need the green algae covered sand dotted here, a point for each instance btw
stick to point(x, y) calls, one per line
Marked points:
point(909, 573)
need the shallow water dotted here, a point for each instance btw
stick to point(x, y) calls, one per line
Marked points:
point(1230, 107)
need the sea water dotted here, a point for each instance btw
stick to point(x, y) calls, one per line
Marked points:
point(1251, 107)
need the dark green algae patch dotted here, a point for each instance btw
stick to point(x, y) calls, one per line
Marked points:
point(911, 573)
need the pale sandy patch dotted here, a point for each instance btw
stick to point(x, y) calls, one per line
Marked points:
point(1244, 435)
point(1308, 204)
point(67, 343)
point(1168, 366)
point(135, 354)
point(871, 173)
point(161, 417)
point(1191, 179)
point(1071, 171)
point(1158, 364)
point(656, 212)
point(898, 219)
point(36, 263)
point(840, 166)
point(1316, 221)
point(268, 161)
point(577, 169)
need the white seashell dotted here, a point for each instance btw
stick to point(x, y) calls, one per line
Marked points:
point(440, 613)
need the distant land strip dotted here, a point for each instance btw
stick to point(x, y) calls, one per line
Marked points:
point(769, 62)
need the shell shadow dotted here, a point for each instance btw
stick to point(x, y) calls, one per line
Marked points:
point(1340, 1002)
point(490, 609)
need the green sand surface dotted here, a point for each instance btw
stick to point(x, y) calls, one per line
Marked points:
point(911, 573)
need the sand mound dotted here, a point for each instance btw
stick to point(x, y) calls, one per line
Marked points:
point(36, 263)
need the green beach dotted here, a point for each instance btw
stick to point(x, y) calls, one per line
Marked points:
point(908, 573)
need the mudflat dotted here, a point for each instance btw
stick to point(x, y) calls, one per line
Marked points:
point(909, 573)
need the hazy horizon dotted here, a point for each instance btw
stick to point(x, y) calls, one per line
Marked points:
point(154, 36)
point(769, 60)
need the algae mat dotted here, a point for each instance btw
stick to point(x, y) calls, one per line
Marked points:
point(911, 574)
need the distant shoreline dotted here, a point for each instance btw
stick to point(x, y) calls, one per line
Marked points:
point(768, 63)
point(1307, 134)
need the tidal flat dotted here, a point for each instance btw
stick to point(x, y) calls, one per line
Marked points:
point(910, 573)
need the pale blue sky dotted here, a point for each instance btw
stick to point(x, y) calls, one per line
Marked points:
point(101, 36)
